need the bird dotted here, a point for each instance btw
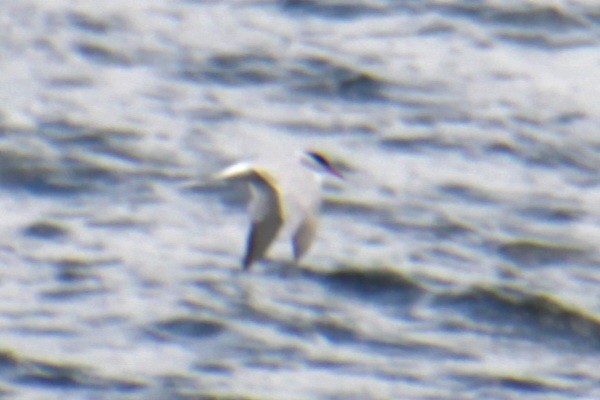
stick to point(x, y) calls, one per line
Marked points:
point(283, 193)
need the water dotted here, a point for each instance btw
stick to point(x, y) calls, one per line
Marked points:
point(458, 260)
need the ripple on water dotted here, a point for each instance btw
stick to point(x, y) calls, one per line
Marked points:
point(517, 313)
point(377, 285)
point(525, 15)
point(29, 372)
point(467, 193)
point(96, 24)
point(103, 53)
point(47, 230)
point(338, 9)
point(314, 76)
point(557, 214)
point(231, 69)
point(187, 327)
point(536, 253)
point(57, 164)
point(322, 77)
point(485, 386)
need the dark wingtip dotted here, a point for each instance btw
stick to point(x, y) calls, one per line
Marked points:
point(246, 263)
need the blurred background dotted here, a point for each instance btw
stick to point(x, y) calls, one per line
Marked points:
point(458, 260)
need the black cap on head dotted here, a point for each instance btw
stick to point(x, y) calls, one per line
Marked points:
point(318, 157)
point(324, 162)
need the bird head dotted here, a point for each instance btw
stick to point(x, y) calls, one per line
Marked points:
point(317, 162)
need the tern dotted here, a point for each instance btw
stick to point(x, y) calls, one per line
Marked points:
point(287, 193)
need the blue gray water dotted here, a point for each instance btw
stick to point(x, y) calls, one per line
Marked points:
point(458, 260)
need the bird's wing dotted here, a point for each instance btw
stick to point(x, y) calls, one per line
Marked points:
point(266, 208)
point(267, 216)
point(261, 236)
point(304, 235)
point(236, 172)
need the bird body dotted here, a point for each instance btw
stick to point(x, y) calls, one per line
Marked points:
point(285, 195)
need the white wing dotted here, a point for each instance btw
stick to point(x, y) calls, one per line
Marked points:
point(304, 235)
point(265, 208)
